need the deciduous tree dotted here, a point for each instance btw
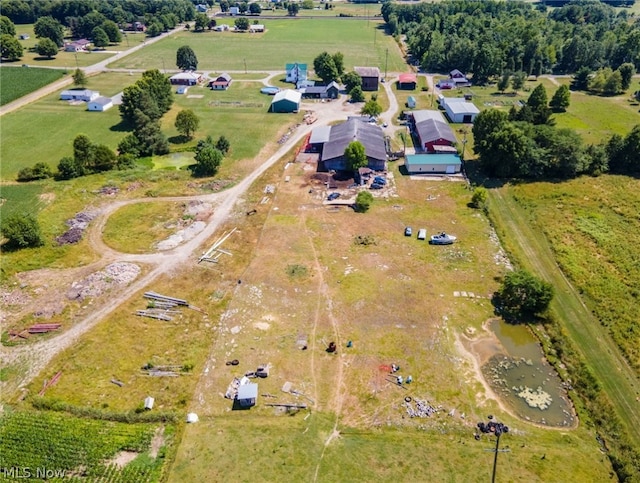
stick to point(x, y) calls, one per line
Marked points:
point(523, 296)
point(356, 94)
point(79, 78)
point(100, 37)
point(46, 48)
point(371, 108)
point(21, 231)
point(241, 24)
point(208, 161)
point(355, 156)
point(187, 122)
point(186, 58)
point(325, 67)
point(364, 200)
point(7, 27)
point(48, 27)
point(539, 105)
point(351, 80)
point(10, 47)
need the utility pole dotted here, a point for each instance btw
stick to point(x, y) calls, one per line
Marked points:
point(498, 429)
point(386, 60)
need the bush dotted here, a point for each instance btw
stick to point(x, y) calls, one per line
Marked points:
point(363, 202)
point(22, 231)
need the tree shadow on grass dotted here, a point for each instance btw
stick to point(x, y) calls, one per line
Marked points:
point(179, 139)
point(42, 59)
point(122, 126)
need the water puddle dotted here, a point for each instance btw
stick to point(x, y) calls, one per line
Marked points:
point(514, 365)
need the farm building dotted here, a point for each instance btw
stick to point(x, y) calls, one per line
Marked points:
point(85, 95)
point(448, 163)
point(296, 73)
point(247, 395)
point(459, 79)
point(331, 91)
point(220, 83)
point(77, 45)
point(411, 102)
point(446, 84)
point(257, 27)
point(407, 81)
point(233, 11)
point(100, 104)
point(432, 134)
point(341, 135)
point(286, 100)
point(319, 136)
point(424, 114)
point(458, 109)
point(370, 77)
point(185, 79)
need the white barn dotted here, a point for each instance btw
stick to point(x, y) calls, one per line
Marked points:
point(100, 104)
point(458, 109)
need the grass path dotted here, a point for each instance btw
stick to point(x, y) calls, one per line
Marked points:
point(590, 338)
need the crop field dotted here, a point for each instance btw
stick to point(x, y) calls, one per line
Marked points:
point(17, 82)
point(361, 42)
point(44, 130)
point(338, 8)
point(60, 446)
point(21, 198)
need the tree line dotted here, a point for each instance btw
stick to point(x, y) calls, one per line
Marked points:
point(488, 37)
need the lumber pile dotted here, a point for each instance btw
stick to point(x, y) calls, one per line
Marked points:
point(43, 328)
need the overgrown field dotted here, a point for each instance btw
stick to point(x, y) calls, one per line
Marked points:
point(52, 445)
point(595, 234)
point(21, 81)
point(292, 40)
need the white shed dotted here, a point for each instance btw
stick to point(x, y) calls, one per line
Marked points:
point(458, 109)
point(100, 104)
point(148, 402)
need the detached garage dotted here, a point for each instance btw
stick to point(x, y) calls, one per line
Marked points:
point(458, 109)
point(100, 104)
point(433, 163)
point(286, 101)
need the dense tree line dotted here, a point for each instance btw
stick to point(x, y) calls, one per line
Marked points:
point(488, 37)
point(524, 144)
point(119, 11)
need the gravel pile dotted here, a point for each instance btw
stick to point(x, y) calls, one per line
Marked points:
point(77, 225)
point(97, 283)
point(422, 409)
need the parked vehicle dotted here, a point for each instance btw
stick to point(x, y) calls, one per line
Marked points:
point(408, 231)
point(333, 196)
point(422, 234)
point(380, 180)
point(376, 186)
point(442, 239)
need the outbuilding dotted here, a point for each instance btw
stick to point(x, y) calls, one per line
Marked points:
point(370, 77)
point(458, 109)
point(148, 402)
point(100, 104)
point(330, 91)
point(256, 27)
point(407, 81)
point(341, 135)
point(85, 95)
point(286, 100)
point(411, 102)
point(247, 395)
point(433, 163)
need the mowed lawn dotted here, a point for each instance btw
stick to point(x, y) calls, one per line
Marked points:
point(17, 82)
point(362, 43)
point(44, 131)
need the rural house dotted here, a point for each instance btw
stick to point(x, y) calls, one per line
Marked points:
point(77, 45)
point(286, 100)
point(445, 163)
point(370, 77)
point(296, 73)
point(100, 104)
point(341, 135)
point(185, 79)
point(459, 79)
point(84, 95)
point(220, 83)
point(331, 91)
point(407, 81)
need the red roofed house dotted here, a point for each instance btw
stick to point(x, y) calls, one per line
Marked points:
point(220, 83)
point(407, 81)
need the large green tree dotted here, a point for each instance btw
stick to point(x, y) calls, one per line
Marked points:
point(10, 48)
point(627, 71)
point(48, 27)
point(355, 156)
point(21, 231)
point(100, 37)
point(46, 48)
point(364, 200)
point(371, 108)
point(241, 24)
point(79, 78)
point(208, 160)
point(186, 58)
point(6, 26)
point(187, 123)
point(561, 99)
point(325, 67)
point(523, 296)
point(112, 31)
point(538, 103)
point(356, 94)
point(201, 22)
point(351, 80)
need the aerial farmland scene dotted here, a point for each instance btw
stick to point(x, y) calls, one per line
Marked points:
point(320, 241)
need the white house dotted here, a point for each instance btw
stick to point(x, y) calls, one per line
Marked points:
point(85, 95)
point(185, 79)
point(100, 104)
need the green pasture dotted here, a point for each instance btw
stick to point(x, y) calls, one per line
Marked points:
point(43, 131)
point(319, 10)
point(20, 198)
point(19, 81)
point(362, 43)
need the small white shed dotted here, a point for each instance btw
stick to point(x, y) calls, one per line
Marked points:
point(148, 402)
point(100, 104)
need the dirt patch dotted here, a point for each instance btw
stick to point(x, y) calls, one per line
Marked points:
point(123, 458)
point(157, 442)
point(97, 283)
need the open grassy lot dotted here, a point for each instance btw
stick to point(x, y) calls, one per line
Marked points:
point(338, 8)
point(20, 81)
point(361, 42)
point(44, 131)
point(24, 198)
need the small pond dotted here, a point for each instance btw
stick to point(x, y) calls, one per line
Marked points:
point(521, 376)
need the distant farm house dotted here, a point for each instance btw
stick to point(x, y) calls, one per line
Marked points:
point(220, 83)
point(185, 79)
point(84, 95)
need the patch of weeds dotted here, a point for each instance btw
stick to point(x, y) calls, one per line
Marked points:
point(297, 271)
point(364, 240)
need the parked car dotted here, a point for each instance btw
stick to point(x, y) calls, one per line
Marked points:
point(333, 196)
point(408, 231)
point(422, 234)
point(379, 180)
point(376, 186)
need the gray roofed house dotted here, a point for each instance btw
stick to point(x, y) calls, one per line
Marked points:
point(341, 135)
point(330, 91)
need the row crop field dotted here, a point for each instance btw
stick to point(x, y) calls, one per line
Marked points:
point(20, 81)
point(301, 40)
point(66, 446)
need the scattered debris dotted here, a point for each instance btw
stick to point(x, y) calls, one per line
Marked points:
point(154, 314)
point(234, 362)
point(117, 383)
point(213, 254)
point(148, 402)
point(422, 408)
point(165, 298)
point(51, 382)
point(192, 418)
point(288, 406)
point(331, 347)
point(43, 328)
point(232, 389)
point(94, 285)
point(77, 225)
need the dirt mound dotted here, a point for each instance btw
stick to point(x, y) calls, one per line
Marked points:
point(77, 225)
point(97, 283)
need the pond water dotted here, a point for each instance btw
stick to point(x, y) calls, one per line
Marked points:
point(520, 375)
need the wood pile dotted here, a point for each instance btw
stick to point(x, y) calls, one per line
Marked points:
point(43, 328)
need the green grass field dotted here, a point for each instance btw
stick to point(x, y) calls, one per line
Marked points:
point(20, 198)
point(17, 82)
point(361, 42)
